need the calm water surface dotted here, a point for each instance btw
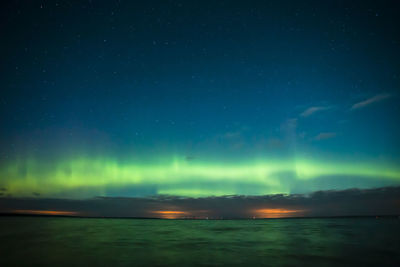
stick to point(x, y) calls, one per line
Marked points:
point(126, 242)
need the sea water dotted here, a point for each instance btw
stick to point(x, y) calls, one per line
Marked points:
point(139, 242)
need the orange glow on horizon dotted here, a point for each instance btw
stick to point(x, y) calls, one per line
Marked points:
point(47, 212)
point(171, 214)
point(277, 213)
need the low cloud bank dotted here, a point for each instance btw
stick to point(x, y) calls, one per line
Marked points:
point(351, 202)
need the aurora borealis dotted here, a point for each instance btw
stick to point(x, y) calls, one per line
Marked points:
point(197, 99)
point(82, 178)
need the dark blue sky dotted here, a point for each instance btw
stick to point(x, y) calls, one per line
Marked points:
point(202, 81)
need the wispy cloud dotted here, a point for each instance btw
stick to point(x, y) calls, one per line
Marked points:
point(323, 136)
point(312, 110)
point(370, 101)
point(289, 125)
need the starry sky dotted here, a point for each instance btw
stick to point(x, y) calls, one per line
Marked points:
point(198, 98)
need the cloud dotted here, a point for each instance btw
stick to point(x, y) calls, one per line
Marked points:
point(350, 202)
point(370, 101)
point(323, 136)
point(312, 110)
point(289, 125)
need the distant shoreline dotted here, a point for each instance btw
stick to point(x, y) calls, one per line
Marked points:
point(202, 219)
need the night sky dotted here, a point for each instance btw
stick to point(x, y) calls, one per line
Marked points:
point(197, 99)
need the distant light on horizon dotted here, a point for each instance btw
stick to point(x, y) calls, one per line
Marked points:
point(170, 214)
point(47, 212)
point(278, 213)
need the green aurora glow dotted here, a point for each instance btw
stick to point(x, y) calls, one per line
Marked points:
point(87, 177)
point(197, 99)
